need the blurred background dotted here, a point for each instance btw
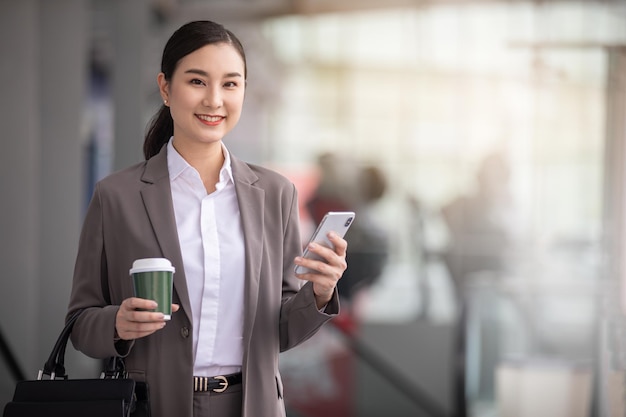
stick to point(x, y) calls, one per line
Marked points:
point(481, 143)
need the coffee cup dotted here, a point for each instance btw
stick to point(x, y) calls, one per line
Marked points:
point(153, 279)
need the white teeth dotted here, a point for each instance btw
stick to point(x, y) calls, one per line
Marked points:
point(209, 118)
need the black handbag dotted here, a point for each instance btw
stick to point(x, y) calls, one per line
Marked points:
point(111, 395)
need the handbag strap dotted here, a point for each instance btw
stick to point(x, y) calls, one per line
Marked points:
point(55, 365)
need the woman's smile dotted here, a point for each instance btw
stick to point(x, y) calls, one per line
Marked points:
point(210, 120)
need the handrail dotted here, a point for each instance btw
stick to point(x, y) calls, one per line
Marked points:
point(11, 360)
point(409, 388)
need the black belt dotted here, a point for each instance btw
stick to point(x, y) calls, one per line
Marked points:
point(215, 383)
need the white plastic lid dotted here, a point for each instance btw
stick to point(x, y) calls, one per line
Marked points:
point(151, 264)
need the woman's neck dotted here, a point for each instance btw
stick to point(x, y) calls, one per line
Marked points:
point(207, 159)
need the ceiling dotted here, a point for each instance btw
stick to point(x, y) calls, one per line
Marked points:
point(250, 9)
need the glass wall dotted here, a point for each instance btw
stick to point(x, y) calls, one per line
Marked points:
point(485, 127)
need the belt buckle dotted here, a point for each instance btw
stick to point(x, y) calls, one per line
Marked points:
point(223, 383)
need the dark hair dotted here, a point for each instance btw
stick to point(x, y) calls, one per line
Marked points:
point(185, 40)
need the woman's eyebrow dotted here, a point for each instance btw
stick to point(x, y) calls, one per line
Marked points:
point(206, 74)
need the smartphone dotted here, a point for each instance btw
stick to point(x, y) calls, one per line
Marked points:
point(336, 221)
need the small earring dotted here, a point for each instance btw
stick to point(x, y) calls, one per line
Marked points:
point(165, 102)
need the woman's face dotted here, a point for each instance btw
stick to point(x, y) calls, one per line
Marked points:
point(205, 94)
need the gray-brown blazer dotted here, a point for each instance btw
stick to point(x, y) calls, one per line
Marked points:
point(131, 216)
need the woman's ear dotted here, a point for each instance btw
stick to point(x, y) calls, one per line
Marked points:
point(163, 88)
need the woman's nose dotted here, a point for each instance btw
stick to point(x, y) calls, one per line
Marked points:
point(212, 98)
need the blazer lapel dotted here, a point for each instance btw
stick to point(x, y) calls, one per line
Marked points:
point(251, 206)
point(157, 199)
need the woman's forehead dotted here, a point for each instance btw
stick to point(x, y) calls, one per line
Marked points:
point(213, 59)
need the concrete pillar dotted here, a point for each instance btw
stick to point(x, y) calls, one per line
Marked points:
point(611, 367)
point(129, 81)
point(20, 177)
point(64, 27)
point(615, 169)
point(43, 45)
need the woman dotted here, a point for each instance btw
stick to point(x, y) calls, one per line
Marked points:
point(230, 229)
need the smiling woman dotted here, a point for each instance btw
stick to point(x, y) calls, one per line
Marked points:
point(230, 230)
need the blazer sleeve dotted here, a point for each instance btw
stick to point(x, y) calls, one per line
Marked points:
point(299, 317)
point(94, 331)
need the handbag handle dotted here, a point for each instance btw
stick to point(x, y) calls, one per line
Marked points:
point(55, 365)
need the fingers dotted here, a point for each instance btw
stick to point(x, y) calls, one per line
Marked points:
point(135, 303)
point(132, 323)
point(341, 245)
point(327, 272)
point(334, 259)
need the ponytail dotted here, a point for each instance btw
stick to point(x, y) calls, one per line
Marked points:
point(160, 131)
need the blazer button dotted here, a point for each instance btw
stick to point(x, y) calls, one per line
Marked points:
point(184, 332)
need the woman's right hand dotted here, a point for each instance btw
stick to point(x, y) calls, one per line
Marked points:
point(131, 323)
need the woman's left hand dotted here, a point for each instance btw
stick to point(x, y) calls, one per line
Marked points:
point(329, 272)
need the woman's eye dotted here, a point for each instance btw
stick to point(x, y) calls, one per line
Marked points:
point(230, 84)
point(196, 81)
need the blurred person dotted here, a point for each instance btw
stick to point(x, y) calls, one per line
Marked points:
point(345, 187)
point(334, 187)
point(370, 249)
point(479, 224)
point(230, 229)
point(342, 186)
point(481, 238)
